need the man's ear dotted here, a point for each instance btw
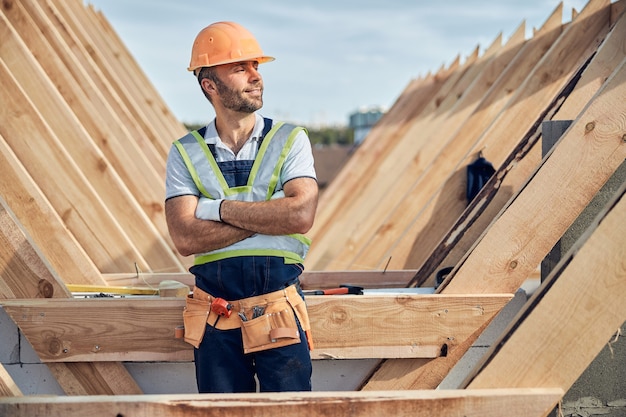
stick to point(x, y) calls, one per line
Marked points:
point(208, 86)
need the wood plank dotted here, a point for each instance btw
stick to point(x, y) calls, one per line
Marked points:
point(443, 403)
point(77, 144)
point(25, 274)
point(94, 378)
point(64, 185)
point(422, 231)
point(35, 213)
point(412, 374)
point(585, 296)
point(102, 29)
point(413, 325)
point(140, 329)
point(583, 160)
point(98, 117)
point(386, 219)
point(599, 151)
point(309, 280)
point(569, 176)
point(123, 84)
point(8, 387)
point(66, 48)
point(358, 208)
point(365, 279)
point(593, 20)
point(518, 167)
point(360, 167)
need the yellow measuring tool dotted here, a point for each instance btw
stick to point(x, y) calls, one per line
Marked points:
point(112, 289)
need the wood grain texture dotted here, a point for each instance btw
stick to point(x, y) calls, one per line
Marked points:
point(359, 326)
point(583, 160)
point(8, 387)
point(25, 274)
point(469, 403)
point(584, 297)
point(516, 170)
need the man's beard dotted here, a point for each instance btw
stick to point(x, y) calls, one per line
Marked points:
point(234, 100)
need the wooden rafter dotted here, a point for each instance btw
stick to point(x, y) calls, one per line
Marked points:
point(583, 297)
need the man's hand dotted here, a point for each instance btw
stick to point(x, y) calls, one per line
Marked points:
point(294, 213)
point(192, 235)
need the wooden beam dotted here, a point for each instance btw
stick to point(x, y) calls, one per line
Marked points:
point(107, 129)
point(65, 186)
point(365, 279)
point(585, 297)
point(75, 148)
point(594, 19)
point(24, 273)
point(411, 149)
point(422, 230)
point(8, 388)
point(94, 378)
point(35, 213)
point(583, 160)
point(309, 280)
point(521, 163)
point(124, 84)
point(362, 166)
point(396, 326)
point(451, 403)
point(385, 221)
point(358, 326)
point(69, 56)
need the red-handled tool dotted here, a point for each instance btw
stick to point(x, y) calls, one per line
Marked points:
point(342, 289)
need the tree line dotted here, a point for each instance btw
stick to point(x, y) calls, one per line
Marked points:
point(324, 136)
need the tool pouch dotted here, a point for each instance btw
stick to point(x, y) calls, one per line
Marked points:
point(195, 317)
point(276, 328)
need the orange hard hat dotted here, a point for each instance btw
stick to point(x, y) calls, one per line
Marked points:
point(224, 43)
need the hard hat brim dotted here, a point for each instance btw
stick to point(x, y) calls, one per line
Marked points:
point(259, 59)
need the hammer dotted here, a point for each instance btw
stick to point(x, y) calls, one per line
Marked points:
point(342, 289)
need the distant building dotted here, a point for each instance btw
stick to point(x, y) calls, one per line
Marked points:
point(362, 122)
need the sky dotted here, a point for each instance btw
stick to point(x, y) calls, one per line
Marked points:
point(333, 57)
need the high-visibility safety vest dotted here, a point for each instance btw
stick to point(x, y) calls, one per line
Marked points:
point(262, 182)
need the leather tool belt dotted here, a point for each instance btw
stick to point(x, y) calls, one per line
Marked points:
point(275, 327)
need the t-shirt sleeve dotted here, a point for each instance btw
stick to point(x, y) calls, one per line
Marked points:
point(178, 181)
point(299, 162)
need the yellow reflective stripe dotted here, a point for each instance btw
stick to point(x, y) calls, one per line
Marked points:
point(209, 156)
point(281, 160)
point(290, 257)
point(191, 168)
point(301, 238)
point(266, 142)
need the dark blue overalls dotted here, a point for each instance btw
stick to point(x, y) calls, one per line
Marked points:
point(221, 365)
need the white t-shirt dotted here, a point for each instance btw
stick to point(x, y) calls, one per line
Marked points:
point(299, 162)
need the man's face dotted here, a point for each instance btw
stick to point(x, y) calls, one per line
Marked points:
point(240, 86)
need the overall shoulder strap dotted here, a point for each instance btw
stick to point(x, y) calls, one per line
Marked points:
point(267, 126)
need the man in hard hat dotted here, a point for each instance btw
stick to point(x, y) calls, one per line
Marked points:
point(240, 192)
